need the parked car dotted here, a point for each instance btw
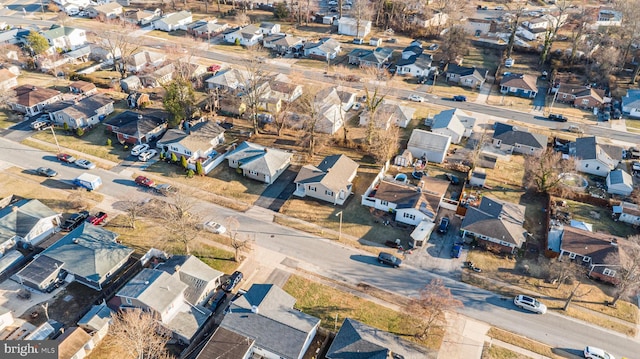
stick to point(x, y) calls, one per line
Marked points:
point(38, 125)
point(433, 47)
point(144, 181)
point(453, 179)
point(214, 227)
point(138, 149)
point(460, 98)
point(97, 218)
point(65, 158)
point(357, 40)
point(265, 118)
point(147, 155)
point(86, 164)
point(606, 116)
point(226, 125)
point(74, 221)
point(596, 353)
point(165, 189)
point(509, 62)
point(46, 172)
point(529, 303)
point(443, 227)
point(456, 251)
point(216, 300)
point(575, 129)
point(389, 259)
point(617, 114)
point(416, 98)
point(233, 281)
point(557, 117)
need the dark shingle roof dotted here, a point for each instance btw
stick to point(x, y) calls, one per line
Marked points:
point(40, 269)
point(496, 219)
point(226, 344)
point(511, 135)
point(134, 124)
point(520, 81)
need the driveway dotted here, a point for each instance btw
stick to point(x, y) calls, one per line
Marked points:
point(540, 100)
point(278, 192)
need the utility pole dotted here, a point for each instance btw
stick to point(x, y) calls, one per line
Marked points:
point(54, 137)
point(340, 230)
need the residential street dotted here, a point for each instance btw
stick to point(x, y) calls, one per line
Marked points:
point(353, 266)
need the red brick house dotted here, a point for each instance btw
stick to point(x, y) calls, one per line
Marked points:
point(136, 128)
point(581, 96)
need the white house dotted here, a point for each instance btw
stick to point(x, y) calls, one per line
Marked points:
point(619, 182)
point(608, 17)
point(437, 19)
point(388, 113)
point(107, 11)
point(591, 157)
point(628, 213)
point(454, 123)
point(247, 36)
point(65, 38)
point(416, 65)
point(631, 103)
point(347, 26)
point(269, 28)
point(325, 49)
point(27, 221)
point(479, 27)
point(8, 80)
point(431, 146)
point(174, 21)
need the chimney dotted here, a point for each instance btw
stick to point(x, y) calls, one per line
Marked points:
point(254, 309)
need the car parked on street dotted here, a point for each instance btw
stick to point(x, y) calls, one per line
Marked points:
point(529, 303)
point(74, 221)
point(46, 172)
point(596, 353)
point(443, 227)
point(416, 98)
point(138, 149)
point(460, 98)
point(557, 117)
point(214, 227)
point(144, 181)
point(165, 189)
point(86, 164)
point(389, 259)
point(63, 157)
point(575, 129)
point(232, 282)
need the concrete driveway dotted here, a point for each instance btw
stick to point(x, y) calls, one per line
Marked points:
point(278, 192)
point(540, 100)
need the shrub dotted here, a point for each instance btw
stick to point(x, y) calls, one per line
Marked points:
point(65, 126)
point(174, 158)
point(199, 169)
point(190, 173)
point(183, 162)
point(79, 131)
point(108, 142)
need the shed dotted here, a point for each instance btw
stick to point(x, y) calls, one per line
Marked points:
point(131, 83)
point(374, 41)
point(619, 182)
point(404, 160)
point(478, 177)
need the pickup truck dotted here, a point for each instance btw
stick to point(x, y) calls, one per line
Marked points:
point(97, 219)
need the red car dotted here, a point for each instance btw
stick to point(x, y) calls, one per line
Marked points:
point(66, 158)
point(214, 68)
point(97, 218)
point(144, 181)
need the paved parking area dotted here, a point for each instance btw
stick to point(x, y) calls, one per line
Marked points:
point(10, 300)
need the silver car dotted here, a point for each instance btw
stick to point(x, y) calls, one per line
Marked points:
point(530, 304)
point(86, 164)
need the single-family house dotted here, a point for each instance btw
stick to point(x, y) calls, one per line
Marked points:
point(352, 27)
point(388, 113)
point(472, 77)
point(580, 96)
point(269, 28)
point(414, 49)
point(454, 123)
point(628, 212)
point(415, 65)
point(83, 88)
point(158, 77)
point(65, 38)
point(478, 177)
point(75, 343)
point(227, 344)
point(10, 37)
point(377, 58)
point(200, 278)
point(265, 316)
point(8, 80)
point(521, 85)
point(26, 221)
point(283, 88)
point(163, 294)
point(173, 21)
point(479, 27)
point(249, 35)
point(434, 19)
point(375, 41)
point(592, 157)
point(197, 142)
point(108, 11)
point(631, 103)
point(330, 181)
point(131, 83)
point(331, 108)
point(228, 79)
point(282, 43)
point(607, 16)
point(208, 29)
point(135, 128)
point(141, 59)
point(358, 339)
point(531, 34)
point(31, 100)
point(258, 162)
point(600, 252)
point(513, 139)
point(90, 253)
point(96, 321)
point(619, 182)
point(496, 225)
point(142, 17)
point(325, 49)
point(427, 145)
point(86, 112)
point(410, 204)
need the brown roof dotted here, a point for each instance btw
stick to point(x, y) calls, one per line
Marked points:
point(82, 86)
point(333, 172)
point(435, 186)
point(28, 95)
point(6, 75)
point(398, 193)
point(282, 87)
point(633, 211)
point(595, 245)
point(71, 341)
point(581, 91)
point(226, 344)
point(521, 81)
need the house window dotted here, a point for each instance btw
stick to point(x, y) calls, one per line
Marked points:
point(597, 168)
point(585, 102)
point(409, 215)
point(586, 259)
point(572, 255)
point(328, 193)
point(128, 301)
point(609, 272)
point(384, 203)
point(312, 188)
point(564, 95)
point(253, 173)
point(586, 165)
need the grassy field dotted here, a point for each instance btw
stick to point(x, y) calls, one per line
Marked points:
point(522, 342)
point(326, 303)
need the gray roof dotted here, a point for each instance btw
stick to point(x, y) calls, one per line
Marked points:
point(377, 56)
point(586, 148)
point(496, 219)
point(89, 251)
point(632, 99)
point(40, 269)
point(259, 159)
point(620, 177)
point(511, 135)
point(265, 313)
point(21, 217)
point(87, 107)
point(193, 272)
point(429, 141)
point(450, 119)
point(226, 344)
point(57, 31)
point(135, 124)
point(333, 172)
point(463, 71)
point(356, 340)
point(422, 61)
point(154, 288)
point(176, 17)
point(200, 136)
point(78, 53)
point(96, 318)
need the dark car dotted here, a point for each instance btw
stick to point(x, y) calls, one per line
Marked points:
point(97, 218)
point(65, 158)
point(433, 47)
point(226, 125)
point(46, 172)
point(74, 221)
point(216, 300)
point(557, 117)
point(144, 181)
point(459, 98)
point(233, 281)
point(453, 179)
point(389, 259)
point(456, 251)
point(606, 116)
point(444, 225)
point(617, 114)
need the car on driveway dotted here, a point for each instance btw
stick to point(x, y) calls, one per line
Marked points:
point(216, 300)
point(46, 172)
point(233, 281)
point(86, 164)
point(596, 353)
point(389, 259)
point(416, 98)
point(453, 179)
point(529, 303)
point(456, 251)
point(144, 181)
point(214, 227)
point(433, 47)
point(97, 219)
point(138, 149)
point(443, 227)
point(460, 98)
point(63, 157)
point(147, 155)
point(74, 221)
point(557, 117)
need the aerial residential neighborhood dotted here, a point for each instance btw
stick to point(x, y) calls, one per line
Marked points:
point(330, 179)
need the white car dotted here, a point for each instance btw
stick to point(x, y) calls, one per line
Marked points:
point(596, 353)
point(530, 304)
point(137, 150)
point(214, 227)
point(147, 155)
point(86, 164)
point(332, 3)
point(416, 98)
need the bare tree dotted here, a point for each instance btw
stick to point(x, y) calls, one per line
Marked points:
point(133, 209)
point(119, 43)
point(375, 91)
point(630, 31)
point(455, 44)
point(558, 19)
point(543, 172)
point(243, 19)
point(238, 244)
point(576, 273)
point(432, 304)
point(312, 106)
point(78, 199)
point(628, 273)
point(7, 96)
point(579, 21)
point(517, 9)
point(177, 218)
point(361, 11)
point(138, 334)
point(560, 272)
point(255, 80)
point(385, 143)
